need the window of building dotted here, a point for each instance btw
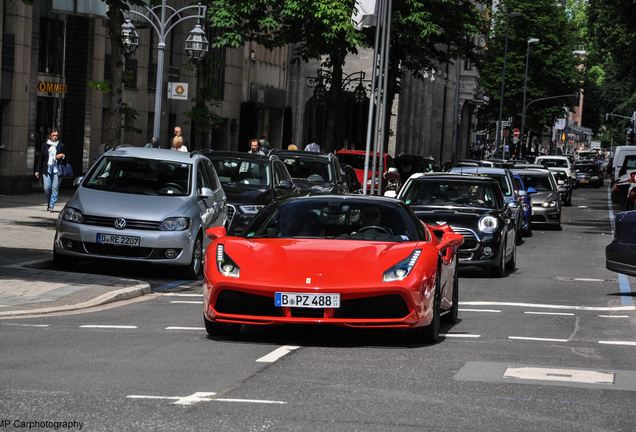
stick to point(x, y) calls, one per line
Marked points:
point(130, 73)
point(217, 68)
point(107, 66)
point(8, 51)
point(51, 46)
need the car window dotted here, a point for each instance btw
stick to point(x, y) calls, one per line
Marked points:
point(211, 173)
point(542, 183)
point(242, 172)
point(450, 193)
point(281, 173)
point(140, 176)
point(309, 169)
point(202, 177)
point(628, 164)
point(335, 219)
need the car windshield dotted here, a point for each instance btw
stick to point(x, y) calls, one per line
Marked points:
point(554, 163)
point(628, 164)
point(140, 176)
point(310, 170)
point(335, 219)
point(237, 171)
point(541, 182)
point(450, 193)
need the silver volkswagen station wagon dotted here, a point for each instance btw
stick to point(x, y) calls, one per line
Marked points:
point(145, 205)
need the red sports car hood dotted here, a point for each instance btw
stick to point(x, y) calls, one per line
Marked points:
point(337, 263)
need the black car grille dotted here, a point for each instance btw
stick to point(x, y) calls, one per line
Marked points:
point(118, 251)
point(386, 306)
point(471, 239)
point(130, 223)
point(239, 303)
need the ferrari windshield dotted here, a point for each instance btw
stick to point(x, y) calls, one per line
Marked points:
point(237, 171)
point(462, 193)
point(309, 170)
point(333, 218)
point(140, 176)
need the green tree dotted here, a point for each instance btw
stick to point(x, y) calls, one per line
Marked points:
point(552, 65)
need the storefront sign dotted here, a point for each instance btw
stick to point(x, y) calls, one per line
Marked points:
point(50, 88)
point(177, 90)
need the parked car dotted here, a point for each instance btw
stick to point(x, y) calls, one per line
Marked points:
point(544, 192)
point(564, 185)
point(355, 158)
point(620, 189)
point(618, 160)
point(506, 182)
point(353, 184)
point(408, 164)
point(473, 206)
point(630, 203)
point(251, 181)
point(526, 205)
point(588, 173)
point(620, 255)
point(354, 261)
point(142, 204)
point(314, 173)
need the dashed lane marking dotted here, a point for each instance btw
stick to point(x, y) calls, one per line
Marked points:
point(203, 397)
point(626, 343)
point(460, 335)
point(573, 279)
point(277, 353)
point(185, 302)
point(550, 313)
point(549, 306)
point(257, 401)
point(181, 295)
point(480, 310)
point(537, 339)
point(185, 328)
point(614, 316)
point(27, 325)
point(99, 326)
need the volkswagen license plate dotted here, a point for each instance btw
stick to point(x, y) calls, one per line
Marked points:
point(118, 240)
point(306, 300)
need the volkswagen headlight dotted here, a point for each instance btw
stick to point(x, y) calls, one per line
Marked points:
point(72, 215)
point(488, 224)
point(175, 224)
point(402, 269)
point(549, 204)
point(225, 264)
point(251, 209)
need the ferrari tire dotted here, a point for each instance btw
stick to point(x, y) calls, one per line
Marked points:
point(220, 329)
point(430, 333)
point(193, 270)
point(499, 270)
point(63, 262)
point(512, 263)
point(452, 317)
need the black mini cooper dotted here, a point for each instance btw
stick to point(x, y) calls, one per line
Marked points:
point(473, 206)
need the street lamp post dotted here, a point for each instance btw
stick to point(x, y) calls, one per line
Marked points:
point(163, 19)
point(503, 80)
point(525, 90)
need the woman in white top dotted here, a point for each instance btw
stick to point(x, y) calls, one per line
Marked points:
point(177, 144)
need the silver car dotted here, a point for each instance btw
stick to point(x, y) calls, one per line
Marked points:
point(142, 204)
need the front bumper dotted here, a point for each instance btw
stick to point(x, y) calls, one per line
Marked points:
point(546, 215)
point(471, 252)
point(158, 247)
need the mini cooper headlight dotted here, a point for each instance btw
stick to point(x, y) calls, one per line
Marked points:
point(402, 269)
point(251, 209)
point(175, 224)
point(224, 263)
point(549, 204)
point(488, 224)
point(72, 215)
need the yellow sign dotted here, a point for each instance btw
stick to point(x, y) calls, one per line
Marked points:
point(562, 136)
point(52, 87)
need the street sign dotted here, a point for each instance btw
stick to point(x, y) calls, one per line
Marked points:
point(177, 90)
point(515, 133)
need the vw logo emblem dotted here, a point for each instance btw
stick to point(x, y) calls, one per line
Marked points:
point(120, 223)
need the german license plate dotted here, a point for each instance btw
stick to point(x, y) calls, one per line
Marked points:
point(306, 300)
point(584, 181)
point(118, 240)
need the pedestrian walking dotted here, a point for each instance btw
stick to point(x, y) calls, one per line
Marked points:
point(177, 144)
point(52, 154)
point(178, 132)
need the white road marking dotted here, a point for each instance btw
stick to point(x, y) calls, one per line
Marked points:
point(251, 401)
point(536, 339)
point(480, 310)
point(567, 375)
point(27, 325)
point(181, 295)
point(277, 353)
point(460, 335)
point(186, 328)
point(549, 306)
point(627, 343)
point(550, 313)
point(582, 206)
point(572, 279)
point(108, 326)
point(185, 302)
point(614, 316)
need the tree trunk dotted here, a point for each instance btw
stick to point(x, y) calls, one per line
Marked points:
point(117, 76)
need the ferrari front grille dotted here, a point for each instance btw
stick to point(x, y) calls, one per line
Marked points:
point(386, 306)
point(240, 303)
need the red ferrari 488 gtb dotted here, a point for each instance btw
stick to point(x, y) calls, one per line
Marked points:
point(339, 260)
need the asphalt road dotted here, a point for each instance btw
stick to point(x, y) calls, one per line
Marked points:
point(545, 349)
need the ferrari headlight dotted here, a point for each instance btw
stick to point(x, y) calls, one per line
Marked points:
point(488, 224)
point(224, 263)
point(72, 215)
point(402, 269)
point(251, 209)
point(175, 224)
point(549, 204)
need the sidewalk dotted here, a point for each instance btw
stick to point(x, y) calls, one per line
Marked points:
point(27, 231)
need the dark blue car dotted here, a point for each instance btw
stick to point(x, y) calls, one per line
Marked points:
point(620, 255)
point(526, 204)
